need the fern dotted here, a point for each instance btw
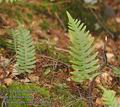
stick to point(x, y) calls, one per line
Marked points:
point(11, 42)
point(25, 50)
point(109, 98)
point(116, 71)
point(82, 53)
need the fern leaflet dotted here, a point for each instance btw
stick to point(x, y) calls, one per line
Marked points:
point(116, 71)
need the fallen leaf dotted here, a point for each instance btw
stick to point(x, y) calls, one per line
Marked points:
point(8, 81)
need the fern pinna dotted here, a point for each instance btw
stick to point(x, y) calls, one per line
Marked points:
point(83, 56)
point(25, 50)
point(116, 71)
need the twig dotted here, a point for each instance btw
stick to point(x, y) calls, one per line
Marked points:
point(4, 102)
point(61, 22)
point(61, 49)
point(101, 23)
point(104, 55)
point(55, 60)
point(62, 2)
point(90, 99)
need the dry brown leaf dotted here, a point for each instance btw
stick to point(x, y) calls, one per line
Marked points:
point(33, 78)
point(8, 81)
point(99, 102)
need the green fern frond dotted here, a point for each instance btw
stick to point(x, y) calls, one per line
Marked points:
point(82, 51)
point(109, 98)
point(9, 1)
point(11, 41)
point(116, 71)
point(25, 49)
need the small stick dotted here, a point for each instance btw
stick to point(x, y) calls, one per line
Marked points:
point(61, 22)
point(48, 57)
point(102, 23)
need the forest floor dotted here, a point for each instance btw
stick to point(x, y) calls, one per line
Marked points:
point(53, 68)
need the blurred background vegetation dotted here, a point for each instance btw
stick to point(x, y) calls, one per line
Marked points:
point(93, 13)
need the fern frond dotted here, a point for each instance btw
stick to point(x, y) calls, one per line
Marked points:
point(82, 51)
point(11, 41)
point(25, 49)
point(116, 71)
point(109, 98)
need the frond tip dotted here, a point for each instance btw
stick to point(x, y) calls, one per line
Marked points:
point(83, 55)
